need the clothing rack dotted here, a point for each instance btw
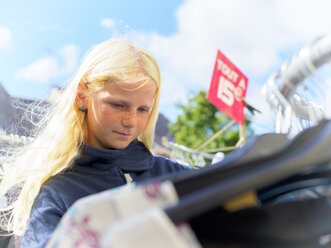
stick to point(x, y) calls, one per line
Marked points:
point(293, 111)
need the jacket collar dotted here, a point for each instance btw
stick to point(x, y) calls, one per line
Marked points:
point(135, 157)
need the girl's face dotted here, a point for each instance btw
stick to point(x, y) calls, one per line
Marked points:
point(118, 114)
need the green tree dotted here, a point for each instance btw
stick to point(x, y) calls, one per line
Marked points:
point(199, 121)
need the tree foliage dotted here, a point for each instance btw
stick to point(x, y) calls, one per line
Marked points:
point(199, 121)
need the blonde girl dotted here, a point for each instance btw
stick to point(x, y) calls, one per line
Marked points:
point(97, 136)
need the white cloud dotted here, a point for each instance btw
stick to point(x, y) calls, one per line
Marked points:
point(5, 37)
point(254, 35)
point(70, 54)
point(107, 23)
point(40, 71)
point(47, 68)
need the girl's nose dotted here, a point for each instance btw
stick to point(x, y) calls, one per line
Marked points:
point(129, 119)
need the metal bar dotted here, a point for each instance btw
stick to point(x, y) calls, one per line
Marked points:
point(211, 139)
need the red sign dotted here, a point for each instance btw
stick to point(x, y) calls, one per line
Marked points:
point(227, 89)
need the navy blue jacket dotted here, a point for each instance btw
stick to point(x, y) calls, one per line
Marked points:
point(94, 171)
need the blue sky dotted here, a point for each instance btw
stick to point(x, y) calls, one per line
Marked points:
point(42, 42)
point(42, 28)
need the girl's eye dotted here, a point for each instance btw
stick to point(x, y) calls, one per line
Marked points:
point(143, 110)
point(117, 105)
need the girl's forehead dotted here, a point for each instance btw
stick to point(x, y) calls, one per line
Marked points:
point(145, 92)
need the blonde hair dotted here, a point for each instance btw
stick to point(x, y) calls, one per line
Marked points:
point(63, 130)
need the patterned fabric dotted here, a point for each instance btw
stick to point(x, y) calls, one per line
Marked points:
point(115, 218)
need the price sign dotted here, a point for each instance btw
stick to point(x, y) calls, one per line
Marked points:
point(227, 89)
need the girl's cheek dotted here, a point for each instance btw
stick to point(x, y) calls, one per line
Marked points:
point(143, 122)
point(107, 110)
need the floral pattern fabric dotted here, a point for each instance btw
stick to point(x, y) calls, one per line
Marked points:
point(127, 216)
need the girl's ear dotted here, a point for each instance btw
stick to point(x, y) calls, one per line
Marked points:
point(81, 97)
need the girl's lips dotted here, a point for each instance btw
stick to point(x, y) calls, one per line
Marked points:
point(123, 134)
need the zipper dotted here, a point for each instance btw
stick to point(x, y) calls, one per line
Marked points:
point(128, 178)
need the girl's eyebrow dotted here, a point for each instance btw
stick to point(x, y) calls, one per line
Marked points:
point(145, 106)
point(125, 102)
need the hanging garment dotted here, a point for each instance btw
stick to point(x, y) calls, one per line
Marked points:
point(286, 224)
point(100, 220)
point(214, 185)
point(204, 198)
point(149, 229)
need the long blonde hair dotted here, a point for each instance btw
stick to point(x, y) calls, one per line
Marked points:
point(63, 130)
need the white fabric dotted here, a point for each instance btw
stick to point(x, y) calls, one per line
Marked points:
point(149, 229)
point(87, 221)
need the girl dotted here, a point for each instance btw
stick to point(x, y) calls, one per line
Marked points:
point(98, 136)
